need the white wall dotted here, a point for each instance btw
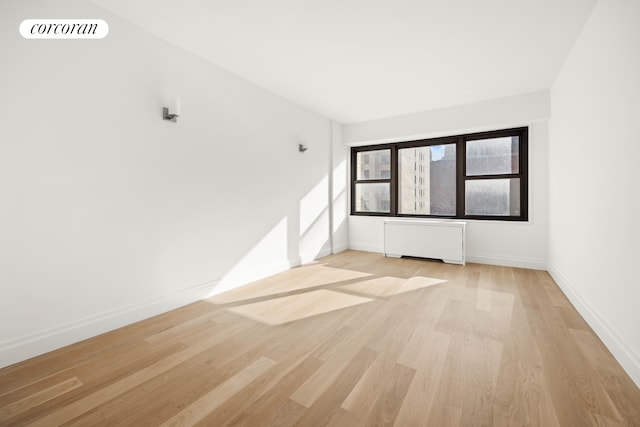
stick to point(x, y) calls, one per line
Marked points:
point(594, 152)
point(339, 184)
point(110, 214)
point(488, 115)
point(522, 244)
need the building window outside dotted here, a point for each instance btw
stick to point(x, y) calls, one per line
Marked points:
point(372, 181)
point(473, 176)
point(429, 188)
point(492, 176)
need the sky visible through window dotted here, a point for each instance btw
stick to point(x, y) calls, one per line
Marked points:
point(437, 152)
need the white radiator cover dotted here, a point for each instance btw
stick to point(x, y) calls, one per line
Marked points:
point(443, 240)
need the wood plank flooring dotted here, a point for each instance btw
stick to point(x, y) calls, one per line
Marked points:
point(354, 339)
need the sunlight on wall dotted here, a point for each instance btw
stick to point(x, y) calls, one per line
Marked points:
point(339, 178)
point(268, 256)
point(340, 211)
point(314, 204)
point(339, 196)
point(314, 221)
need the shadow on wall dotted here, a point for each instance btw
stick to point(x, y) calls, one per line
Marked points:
point(306, 237)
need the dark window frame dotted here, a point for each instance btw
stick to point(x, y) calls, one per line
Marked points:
point(461, 176)
point(355, 180)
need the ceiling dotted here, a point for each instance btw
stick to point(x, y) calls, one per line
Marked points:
point(356, 60)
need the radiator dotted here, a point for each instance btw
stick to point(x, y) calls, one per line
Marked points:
point(443, 240)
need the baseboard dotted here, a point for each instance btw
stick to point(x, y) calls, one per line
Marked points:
point(314, 256)
point(25, 347)
point(237, 279)
point(621, 350)
point(506, 261)
point(323, 253)
point(530, 263)
point(366, 248)
point(337, 248)
point(295, 262)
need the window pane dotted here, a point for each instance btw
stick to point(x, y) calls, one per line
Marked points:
point(373, 164)
point(427, 180)
point(493, 156)
point(499, 197)
point(373, 197)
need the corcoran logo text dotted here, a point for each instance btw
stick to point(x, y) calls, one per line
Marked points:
point(64, 28)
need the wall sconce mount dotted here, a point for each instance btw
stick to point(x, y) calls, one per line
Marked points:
point(171, 117)
point(173, 112)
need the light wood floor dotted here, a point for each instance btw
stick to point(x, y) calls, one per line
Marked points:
point(354, 339)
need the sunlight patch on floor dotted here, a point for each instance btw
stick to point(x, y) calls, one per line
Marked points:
point(295, 307)
point(305, 277)
point(389, 286)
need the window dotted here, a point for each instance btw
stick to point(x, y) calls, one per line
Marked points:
point(493, 178)
point(427, 180)
point(372, 181)
point(473, 176)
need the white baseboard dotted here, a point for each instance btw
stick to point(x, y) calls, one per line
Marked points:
point(323, 253)
point(366, 248)
point(240, 278)
point(337, 248)
point(25, 347)
point(621, 350)
point(314, 256)
point(18, 349)
point(506, 261)
point(530, 263)
point(295, 262)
